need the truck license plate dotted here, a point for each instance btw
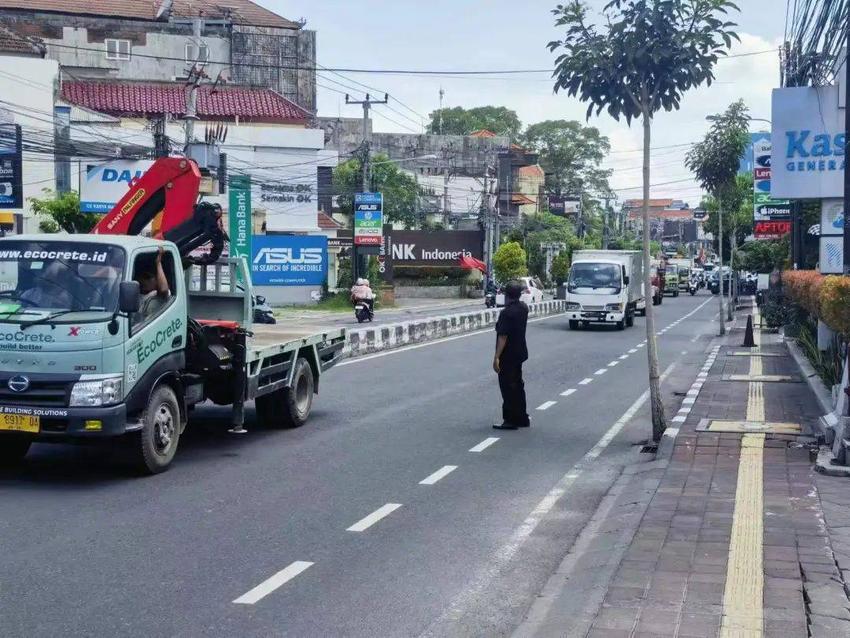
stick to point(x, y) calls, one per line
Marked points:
point(19, 423)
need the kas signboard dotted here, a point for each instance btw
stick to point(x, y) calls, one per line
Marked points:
point(289, 260)
point(808, 143)
point(771, 217)
point(368, 219)
point(103, 185)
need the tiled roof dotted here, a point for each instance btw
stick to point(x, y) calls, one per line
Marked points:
point(11, 42)
point(653, 203)
point(675, 213)
point(531, 171)
point(326, 222)
point(521, 200)
point(241, 11)
point(482, 133)
point(144, 98)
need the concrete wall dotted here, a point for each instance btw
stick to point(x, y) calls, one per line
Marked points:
point(284, 295)
point(428, 292)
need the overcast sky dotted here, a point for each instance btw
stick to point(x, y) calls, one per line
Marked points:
point(505, 34)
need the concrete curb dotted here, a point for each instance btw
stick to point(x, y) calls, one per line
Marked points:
point(817, 386)
point(363, 341)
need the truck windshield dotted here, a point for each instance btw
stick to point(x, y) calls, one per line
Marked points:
point(56, 276)
point(594, 276)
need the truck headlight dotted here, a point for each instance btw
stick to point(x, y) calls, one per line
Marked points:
point(98, 392)
point(614, 307)
point(572, 305)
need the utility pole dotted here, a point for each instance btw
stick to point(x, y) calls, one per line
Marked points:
point(847, 144)
point(195, 75)
point(364, 165)
point(440, 126)
point(606, 218)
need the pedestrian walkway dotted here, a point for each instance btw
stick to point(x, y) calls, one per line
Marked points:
point(740, 538)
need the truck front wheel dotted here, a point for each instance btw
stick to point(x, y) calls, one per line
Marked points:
point(630, 319)
point(289, 407)
point(573, 324)
point(156, 444)
point(13, 449)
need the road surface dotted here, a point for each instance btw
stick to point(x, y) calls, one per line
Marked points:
point(396, 511)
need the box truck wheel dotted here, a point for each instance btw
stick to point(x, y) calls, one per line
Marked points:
point(676, 293)
point(13, 449)
point(156, 445)
point(289, 407)
point(621, 324)
point(630, 319)
point(573, 324)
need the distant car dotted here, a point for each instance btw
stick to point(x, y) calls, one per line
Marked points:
point(532, 291)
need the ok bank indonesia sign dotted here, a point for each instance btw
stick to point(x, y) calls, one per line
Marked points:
point(808, 138)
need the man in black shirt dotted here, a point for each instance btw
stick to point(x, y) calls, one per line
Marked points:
point(511, 352)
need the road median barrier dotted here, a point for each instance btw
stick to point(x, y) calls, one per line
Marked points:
point(369, 340)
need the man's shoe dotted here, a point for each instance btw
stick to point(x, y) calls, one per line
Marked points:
point(504, 426)
point(525, 425)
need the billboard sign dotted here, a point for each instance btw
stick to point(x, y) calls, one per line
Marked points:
point(700, 214)
point(11, 168)
point(368, 219)
point(289, 260)
point(808, 143)
point(771, 217)
point(441, 248)
point(239, 216)
point(831, 240)
point(564, 206)
point(103, 185)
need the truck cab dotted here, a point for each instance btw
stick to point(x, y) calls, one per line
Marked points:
point(604, 287)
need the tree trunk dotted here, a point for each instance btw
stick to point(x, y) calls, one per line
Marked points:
point(720, 316)
point(733, 296)
point(659, 422)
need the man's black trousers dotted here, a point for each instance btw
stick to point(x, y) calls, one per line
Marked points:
point(514, 411)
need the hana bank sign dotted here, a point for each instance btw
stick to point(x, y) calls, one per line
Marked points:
point(809, 142)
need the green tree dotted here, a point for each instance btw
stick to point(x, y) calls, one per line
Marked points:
point(765, 256)
point(460, 121)
point(61, 212)
point(641, 57)
point(571, 155)
point(714, 161)
point(561, 267)
point(399, 188)
point(509, 261)
point(737, 213)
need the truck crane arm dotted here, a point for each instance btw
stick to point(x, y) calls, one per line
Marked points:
point(169, 186)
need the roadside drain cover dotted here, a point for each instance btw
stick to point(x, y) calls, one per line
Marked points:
point(744, 353)
point(766, 378)
point(765, 427)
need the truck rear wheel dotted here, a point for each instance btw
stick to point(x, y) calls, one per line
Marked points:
point(13, 449)
point(630, 319)
point(156, 444)
point(289, 407)
point(573, 324)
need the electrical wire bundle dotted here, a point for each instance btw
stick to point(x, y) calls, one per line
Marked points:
point(815, 34)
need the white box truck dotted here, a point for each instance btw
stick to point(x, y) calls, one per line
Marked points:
point(605, 286)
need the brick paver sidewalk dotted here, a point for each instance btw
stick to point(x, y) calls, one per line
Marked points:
point(736, 540)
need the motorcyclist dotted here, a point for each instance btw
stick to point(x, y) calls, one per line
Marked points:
point(361, 291)
point(490, 288)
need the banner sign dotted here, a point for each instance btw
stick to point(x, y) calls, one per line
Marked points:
point(441, 248)
point(771, 217)
point(808, 143)
point(831, 240)
point(239, 216)
point(564, 206)
point(368, 219)
point(104, 185)
point(11, 168)
point(289, 260)
point(700, 214)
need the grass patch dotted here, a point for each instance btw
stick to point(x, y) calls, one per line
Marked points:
point(333, 303)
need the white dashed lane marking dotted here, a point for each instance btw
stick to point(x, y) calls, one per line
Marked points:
point(269, 585)
point(567, 393)
point(382, 512)
point(439, 474)
point(546, 406)
point(484, 444)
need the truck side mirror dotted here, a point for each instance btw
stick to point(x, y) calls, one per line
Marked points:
point(261, 300)
point(129, 297)
point(626, 280)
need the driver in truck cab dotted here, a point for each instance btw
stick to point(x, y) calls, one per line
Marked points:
point(153, 284)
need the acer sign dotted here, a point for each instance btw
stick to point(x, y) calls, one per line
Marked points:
point(289, 260)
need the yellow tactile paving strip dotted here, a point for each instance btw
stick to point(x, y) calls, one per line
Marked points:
point(743, 594)
point(755, 400)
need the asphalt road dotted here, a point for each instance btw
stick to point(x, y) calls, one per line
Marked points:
point(328, 530)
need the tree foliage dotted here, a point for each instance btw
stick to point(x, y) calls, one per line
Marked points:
point(650, 54)
point(460, 121)
point(715, 160)
point(509, 261)
point(570, 155)
point(399, 188)
point(766, 256)
point(737, 212)
point(61, 212)
point(561, 267)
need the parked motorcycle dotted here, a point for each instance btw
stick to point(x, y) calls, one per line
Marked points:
point(362, 311)
point(263, 312)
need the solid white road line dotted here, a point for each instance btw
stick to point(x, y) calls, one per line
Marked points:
point(567, 393)
point(268, 586)
point(546, 406)
point(365, 523)
point(585, 381)
point(506, 553)
point(600, 371)
point(484, 444)
point(436, 476)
